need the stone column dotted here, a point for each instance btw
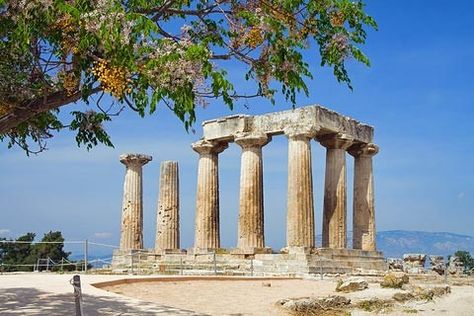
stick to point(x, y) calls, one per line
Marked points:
point(363, 231)
point(300, 216)
point(207, 197)
point(167, 219)
point(131, 237)
point(251, 225)
point(335, 200)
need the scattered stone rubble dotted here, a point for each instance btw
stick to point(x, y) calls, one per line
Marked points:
point(314, 304)
point(415, 292)
point(414, 263)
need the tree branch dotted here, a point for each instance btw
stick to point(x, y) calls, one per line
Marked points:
point(26, 111)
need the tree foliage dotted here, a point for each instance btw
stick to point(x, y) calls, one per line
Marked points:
point(147, 53)
point(14, 255)
point(466, 259)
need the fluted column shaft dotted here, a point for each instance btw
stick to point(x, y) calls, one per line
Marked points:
point(207, 235)
point(167, 221)
point(335, 197)
point(131, 237)
point(251, 222)
point(300, 216)
point(363, 201)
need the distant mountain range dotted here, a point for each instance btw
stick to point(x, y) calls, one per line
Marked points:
point(395, 243)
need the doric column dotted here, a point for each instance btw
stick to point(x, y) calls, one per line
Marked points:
point(167, 219)
point(300, 216)
point(131, 237)
point(363, 201)
point(251, 225)
point(207, 197)
point(335, 200)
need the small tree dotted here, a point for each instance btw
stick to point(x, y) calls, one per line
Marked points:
point(15, 254)
point(53, 250)
point(466, 258)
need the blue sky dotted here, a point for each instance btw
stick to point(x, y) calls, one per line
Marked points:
point(419, 95)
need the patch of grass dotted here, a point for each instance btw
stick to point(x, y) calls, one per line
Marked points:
point(374, 305)
point(410, 311)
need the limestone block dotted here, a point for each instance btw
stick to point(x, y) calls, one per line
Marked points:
point(395, 280)
point(395, 264)
point(352, 285)
point(455, 266)
point(437, 264)
point(314, 116)
point(414, 263)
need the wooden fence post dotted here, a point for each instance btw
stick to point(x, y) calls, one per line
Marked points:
point(76, 283)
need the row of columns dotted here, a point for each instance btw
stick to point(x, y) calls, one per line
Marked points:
point(300, 216)
point(167, 219)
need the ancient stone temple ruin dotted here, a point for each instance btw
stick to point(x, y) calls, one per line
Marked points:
point(340, 135)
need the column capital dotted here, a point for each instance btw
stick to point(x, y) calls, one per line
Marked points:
point(135, 159)
point(252, 140)
point(363, 150)
point(209, 147)
point(302, 133)
point(335, 141)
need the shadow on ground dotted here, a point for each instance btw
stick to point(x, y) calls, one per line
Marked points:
point(28, 301)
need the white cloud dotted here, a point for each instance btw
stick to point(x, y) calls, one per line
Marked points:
point(461, 195)
point(102, 235)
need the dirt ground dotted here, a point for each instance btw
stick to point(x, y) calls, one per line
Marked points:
point(249, 297)
point(52, 294)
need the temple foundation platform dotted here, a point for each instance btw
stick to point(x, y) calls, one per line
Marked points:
point(294, 262)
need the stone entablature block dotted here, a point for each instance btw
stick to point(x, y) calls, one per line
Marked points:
point(313, 117)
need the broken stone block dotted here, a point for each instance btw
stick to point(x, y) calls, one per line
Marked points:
point(437, 264)
point(414, 263)
point(395, 280)
point(351, 285)
point(455, 266)
point(395, 264)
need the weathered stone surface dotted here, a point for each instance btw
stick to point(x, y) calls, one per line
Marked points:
point(251, 225)
point(428, 293)
point(131, 234)
point(414, 262)
point(167, 221)
point(455, 266)
point(335, 191)
point(207, 234)
point(352, 285)
point(421, 293)
point(363, 230)
point(437, 264)
point(315, 117)
point(300, 216)
point(403, 296)
point(395, 264)
point(395, 280)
